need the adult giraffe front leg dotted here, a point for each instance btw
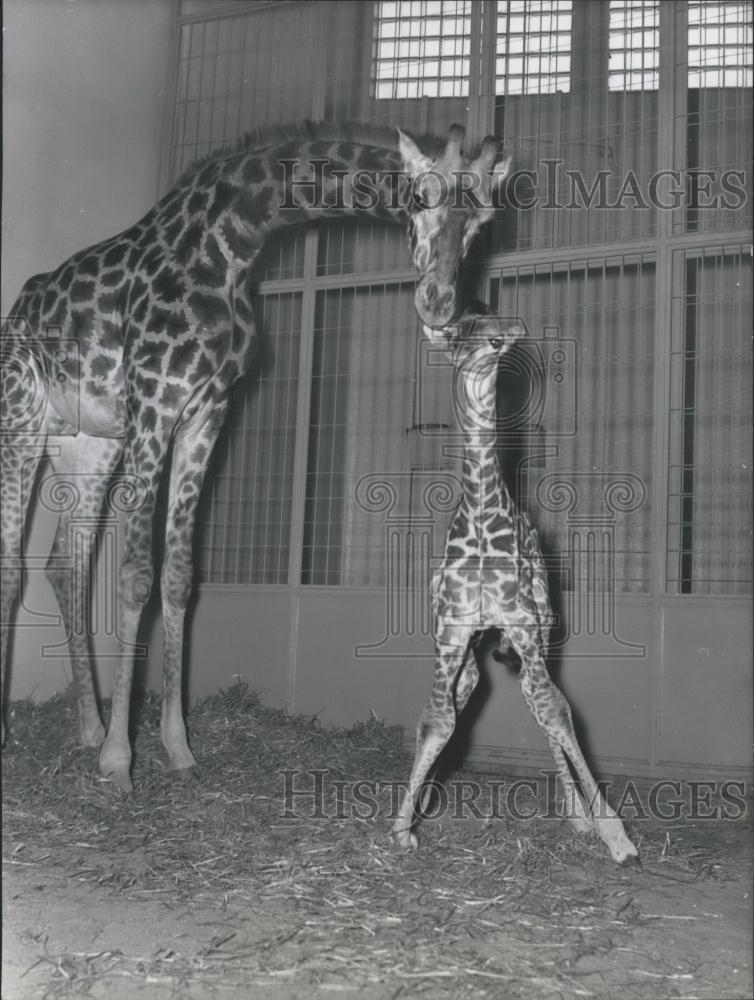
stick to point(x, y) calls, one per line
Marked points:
point(191, 452)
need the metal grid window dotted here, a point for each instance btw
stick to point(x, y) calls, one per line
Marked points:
point(280, 507)
point(422, 49)
point(634, 45)
point(533, 46)
point(720, 44)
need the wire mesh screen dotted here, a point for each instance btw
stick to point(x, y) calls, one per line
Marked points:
point(710, 480)
point(587, 452)
point(239, 72)
point(355, 247)
point(364, 346)
point(244, 523)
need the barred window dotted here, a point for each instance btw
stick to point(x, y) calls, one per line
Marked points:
point(634, 45)
point(720, 44)
point(422, 49)
point(533, 46)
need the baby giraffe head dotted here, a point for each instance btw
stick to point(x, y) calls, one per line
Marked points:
point(450, 199)
point(474, 344)
point(477, 334)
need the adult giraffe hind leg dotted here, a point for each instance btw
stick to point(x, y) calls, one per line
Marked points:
point(20, 456)
point(191, 452)
point(143, 465)
point(81, 472)
point(552, 713)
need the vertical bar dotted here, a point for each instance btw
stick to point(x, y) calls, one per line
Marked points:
point(300, 455)
point(480, 118)
point(166, 166)
point(669, 131)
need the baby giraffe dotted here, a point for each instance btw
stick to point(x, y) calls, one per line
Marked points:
point(493, 577)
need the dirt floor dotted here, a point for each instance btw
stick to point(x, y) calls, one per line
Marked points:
point(214, 889)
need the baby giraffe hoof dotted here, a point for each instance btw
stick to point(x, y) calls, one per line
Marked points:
point(405, 839)
point(622, 850)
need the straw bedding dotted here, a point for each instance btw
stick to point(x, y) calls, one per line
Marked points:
point(484, 908)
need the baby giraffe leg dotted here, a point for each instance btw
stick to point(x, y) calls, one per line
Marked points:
point(435, 727)
point(553, 715)
point(576, 810)
point(467, 680)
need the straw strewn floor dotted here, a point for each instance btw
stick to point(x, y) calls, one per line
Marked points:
point(214, 888)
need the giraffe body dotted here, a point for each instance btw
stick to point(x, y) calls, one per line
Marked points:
point(126, 353)
point(492, 577)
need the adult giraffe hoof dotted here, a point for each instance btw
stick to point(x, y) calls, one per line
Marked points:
point(94, 736)
point(186, 775)
point(405, 839)
point(116, 767)
point(122, 779)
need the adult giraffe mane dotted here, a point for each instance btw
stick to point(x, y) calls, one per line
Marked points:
point(268, 136)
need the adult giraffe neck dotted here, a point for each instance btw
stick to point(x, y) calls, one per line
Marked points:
point(247, 196)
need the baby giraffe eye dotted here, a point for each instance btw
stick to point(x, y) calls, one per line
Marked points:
point(496, 343)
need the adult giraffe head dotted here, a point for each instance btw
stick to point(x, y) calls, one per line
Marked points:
point(450, 199)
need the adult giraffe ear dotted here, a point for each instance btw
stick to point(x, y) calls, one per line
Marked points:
point(501, 170)
point(414, 160)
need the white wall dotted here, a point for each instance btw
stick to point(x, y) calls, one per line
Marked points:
point(84, 89)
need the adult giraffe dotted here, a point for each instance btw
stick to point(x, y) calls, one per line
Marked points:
point(161, 327)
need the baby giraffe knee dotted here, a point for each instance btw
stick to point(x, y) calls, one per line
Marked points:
point(434, 726)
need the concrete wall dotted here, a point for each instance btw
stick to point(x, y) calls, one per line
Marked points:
point(84, 89)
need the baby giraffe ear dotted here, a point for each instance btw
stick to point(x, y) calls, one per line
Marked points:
point(414, 160)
